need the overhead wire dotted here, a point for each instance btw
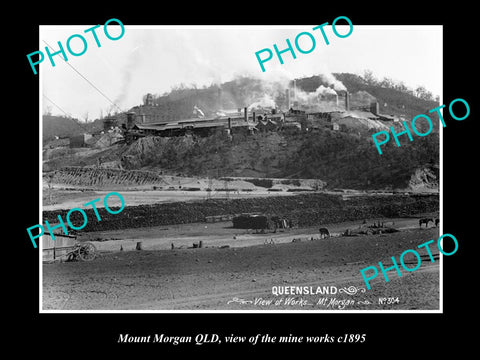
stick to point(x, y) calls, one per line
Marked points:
point(88, 81)
point(69, 116)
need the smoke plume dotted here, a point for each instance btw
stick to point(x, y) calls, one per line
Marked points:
point(271, 93)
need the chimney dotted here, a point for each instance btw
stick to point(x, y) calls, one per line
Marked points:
point(130, 119)
point(245, 114)
point(287, 95)
point(347, 101)
point(229, 124)
point(375, 108)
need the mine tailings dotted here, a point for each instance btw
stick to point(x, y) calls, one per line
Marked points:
point(304, 209)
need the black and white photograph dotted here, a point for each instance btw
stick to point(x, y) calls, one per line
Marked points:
point(242, 168)
point(241, 179)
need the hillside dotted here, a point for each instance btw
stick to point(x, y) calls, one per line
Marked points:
point(343, 159)
point(340, 159)
point(392, 101)
point(244, 91)
point(63, 126)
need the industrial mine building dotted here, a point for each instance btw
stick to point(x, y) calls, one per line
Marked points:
point(323, 108)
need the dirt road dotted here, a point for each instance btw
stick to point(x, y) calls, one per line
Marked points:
point(67, 199)
point(219, 234)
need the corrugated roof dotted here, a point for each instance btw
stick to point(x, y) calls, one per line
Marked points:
point(386, 117)
point(359, 114)
point(194, 125)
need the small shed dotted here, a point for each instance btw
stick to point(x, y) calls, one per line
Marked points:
point(247, 221)
point(55, 249)
point(78, 141)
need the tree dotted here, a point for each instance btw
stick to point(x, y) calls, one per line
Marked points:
point(369, 77)
point(400, 86)
point(47, 111)
point(420, 91)
point(387, 83)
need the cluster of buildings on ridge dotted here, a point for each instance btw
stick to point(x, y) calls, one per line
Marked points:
point(337, 111)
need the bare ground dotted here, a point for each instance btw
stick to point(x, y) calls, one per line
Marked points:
point(215, 278)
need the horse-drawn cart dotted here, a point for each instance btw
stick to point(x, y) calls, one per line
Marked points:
point(84, 251)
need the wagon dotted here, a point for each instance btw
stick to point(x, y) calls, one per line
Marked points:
point(67, 246)
point(84, 251)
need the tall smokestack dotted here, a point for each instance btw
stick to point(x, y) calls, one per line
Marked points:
point(245, 114)
point(347, 101)
point(287, 95)
point(294, 89)
point(130, 119)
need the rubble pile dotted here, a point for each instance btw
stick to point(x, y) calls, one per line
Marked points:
point(99, 177)
point(304, 210)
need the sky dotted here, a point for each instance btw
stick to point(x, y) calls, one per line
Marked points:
point(153, 59)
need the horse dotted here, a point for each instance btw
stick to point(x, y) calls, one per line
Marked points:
point(424, 221)
point(324, 233)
